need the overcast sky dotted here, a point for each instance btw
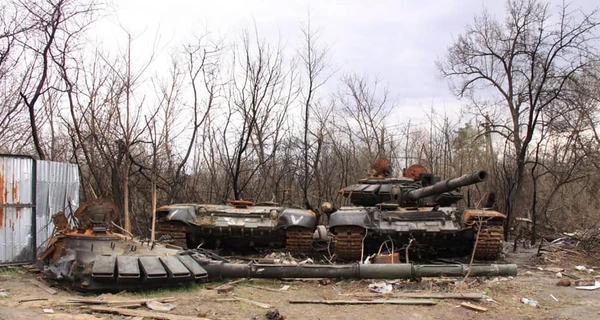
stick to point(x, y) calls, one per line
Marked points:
point(397, 41)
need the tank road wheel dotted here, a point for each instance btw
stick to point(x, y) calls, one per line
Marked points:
point(348, 242)
point(298, 240)
point(489, 245)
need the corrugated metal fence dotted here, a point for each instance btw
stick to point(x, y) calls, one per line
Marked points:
point(30, 193)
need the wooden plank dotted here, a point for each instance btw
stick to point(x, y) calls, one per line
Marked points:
point(432, 295)
point(256, 303)
point(375, 301)
point(43, 286)
point(473, 307)
point(142, 313)
point(32, 299)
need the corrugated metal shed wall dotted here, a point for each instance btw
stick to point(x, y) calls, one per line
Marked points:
point(25, 225)
point(17, 176)
point(57, 185)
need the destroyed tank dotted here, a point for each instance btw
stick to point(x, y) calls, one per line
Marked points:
point(237, 225)
point(414, 213)
point(84, 254)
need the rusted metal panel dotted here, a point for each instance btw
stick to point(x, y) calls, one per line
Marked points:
point(17, 194)
point(57, 189)
point(30, 193)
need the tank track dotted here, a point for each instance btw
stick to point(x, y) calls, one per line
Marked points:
point(298, 240)
point(489, 245)
point(348, 242)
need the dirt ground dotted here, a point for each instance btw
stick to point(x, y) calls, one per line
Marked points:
point(201, 300)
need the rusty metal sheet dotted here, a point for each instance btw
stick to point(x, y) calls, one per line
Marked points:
point(17, 224)
point(57, 189)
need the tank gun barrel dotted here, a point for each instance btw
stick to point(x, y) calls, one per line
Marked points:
point(221, 270)
point(447, 185)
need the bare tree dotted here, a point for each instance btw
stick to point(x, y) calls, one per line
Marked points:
point(314, 60)
point(522, 64)
point(259, 94)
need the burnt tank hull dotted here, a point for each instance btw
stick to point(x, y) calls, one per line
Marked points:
point(237, 226)
point(414, 215)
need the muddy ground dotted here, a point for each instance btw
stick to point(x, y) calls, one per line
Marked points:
point(201, 300)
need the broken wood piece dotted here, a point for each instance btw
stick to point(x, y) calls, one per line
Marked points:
point(224, 289)
point(43, 286)
point(229, 284)
point(32, 299)
point(114, 302)
point(256, 303)
point(143, 313)
point(473, 307)
point(574, 277)
point(266, 289)
point(374, 301)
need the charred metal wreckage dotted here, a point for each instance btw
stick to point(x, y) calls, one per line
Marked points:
point(85, 255)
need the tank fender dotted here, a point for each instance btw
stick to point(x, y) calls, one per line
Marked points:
point(474, 214)
point(353, 217)
point(291, 217)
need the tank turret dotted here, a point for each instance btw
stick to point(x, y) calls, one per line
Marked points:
point(410, 192)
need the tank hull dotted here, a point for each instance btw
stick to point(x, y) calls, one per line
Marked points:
point(237, 227)
point(425, 231)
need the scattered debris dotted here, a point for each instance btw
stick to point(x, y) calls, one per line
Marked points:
point(273, 314)
point(553, 297)
point(256, 303)
point(43, 286)
point(284, 287)
point(159, 306)
point(374, 301)
point(555, 269)
point(530, 302)
point(48, 310)
point(580, 268)
point(142, 313)
point(473, 307)
point(564, 283)
point(381, 287)
point(3, 294)
point(558, 275)
point(592, 287)
point(585, 282)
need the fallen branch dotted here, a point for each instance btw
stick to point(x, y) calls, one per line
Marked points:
point(142, 313)
point(375, 301)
